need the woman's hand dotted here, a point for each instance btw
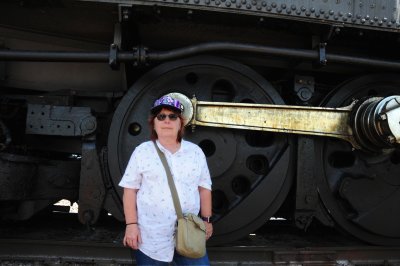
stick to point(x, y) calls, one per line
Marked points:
point(132, 236)
point(209, 230)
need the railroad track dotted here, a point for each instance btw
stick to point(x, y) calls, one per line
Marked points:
point(60, 240)
point(36, 252)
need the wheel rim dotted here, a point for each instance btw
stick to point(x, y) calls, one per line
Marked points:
point(361, 190)
point(251, 171)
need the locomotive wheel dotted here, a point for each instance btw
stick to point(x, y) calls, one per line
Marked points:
point(361, 190)
point(251, 171)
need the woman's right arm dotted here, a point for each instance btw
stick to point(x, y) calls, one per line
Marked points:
point(132, 234)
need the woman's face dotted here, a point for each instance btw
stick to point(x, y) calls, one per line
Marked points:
point(167, 128)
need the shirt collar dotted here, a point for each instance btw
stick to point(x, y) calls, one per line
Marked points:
point(182, 148)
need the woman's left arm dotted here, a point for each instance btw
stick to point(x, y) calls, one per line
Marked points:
point(206, 209)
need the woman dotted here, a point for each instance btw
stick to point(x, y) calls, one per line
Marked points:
point(148, 206)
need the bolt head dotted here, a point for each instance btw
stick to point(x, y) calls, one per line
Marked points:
point(391, 139)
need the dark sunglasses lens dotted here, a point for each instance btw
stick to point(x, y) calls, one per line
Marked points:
point(161, 117)
point(172, 117)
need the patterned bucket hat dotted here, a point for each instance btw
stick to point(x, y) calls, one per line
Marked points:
point(167, 101)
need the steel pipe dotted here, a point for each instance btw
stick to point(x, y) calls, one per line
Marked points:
point(141, 55)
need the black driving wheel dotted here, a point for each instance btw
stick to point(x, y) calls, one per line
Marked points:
point(251, 171)
point(361, 190)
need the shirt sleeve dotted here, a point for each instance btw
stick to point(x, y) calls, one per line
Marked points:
point(132, 177)
point(205, 178)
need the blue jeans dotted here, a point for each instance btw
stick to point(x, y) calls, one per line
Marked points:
point(178, 260)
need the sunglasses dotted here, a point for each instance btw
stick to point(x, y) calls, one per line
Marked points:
point(172, 117)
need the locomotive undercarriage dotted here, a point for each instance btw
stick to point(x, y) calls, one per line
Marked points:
point(256, 174)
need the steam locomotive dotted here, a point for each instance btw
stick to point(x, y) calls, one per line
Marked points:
point(77, 79)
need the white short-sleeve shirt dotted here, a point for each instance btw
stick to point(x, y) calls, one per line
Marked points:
point(156, 212)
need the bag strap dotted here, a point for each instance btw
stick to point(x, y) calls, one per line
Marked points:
point(171, 183)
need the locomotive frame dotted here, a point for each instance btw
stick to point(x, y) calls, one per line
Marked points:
point(69, 122)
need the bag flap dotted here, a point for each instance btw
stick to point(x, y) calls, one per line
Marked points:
point(197, 220)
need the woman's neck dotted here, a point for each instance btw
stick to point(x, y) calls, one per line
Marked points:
point(170, 144)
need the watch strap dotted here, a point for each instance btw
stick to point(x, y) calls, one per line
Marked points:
point(206, 218)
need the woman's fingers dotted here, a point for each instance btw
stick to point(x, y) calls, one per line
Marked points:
point(132, 241)
point(132, 237)
point(139, 238)
point(209, 230)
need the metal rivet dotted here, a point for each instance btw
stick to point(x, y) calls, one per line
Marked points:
point(321, 11)
point(298, 12)
point(258, 7)
point(380, 22)
point(254, 2)
point(233, 1)
point(243, 2)
point(367, 17)
point(248, 6)
point(283, 6)
point(353, 20)
point(278, 9)
point(376, 18)
point(207, 2)
point(326, 16)
point(293, 7)
point(273, 4)
point(358, 16)
point(303, 8)
point(344, 19)
point(349, 15)
point(264, 4)
point(217, 2)
point(238, 5)
point(317, 15)
point(312, 10)
point(393, 20)
point(340, 14)
point(389, 24)
point(308, 13)
point(335, 17)
point(288, 11)
point(384, 19)
point(363, 20)
point(331, 12)
point(269, 8)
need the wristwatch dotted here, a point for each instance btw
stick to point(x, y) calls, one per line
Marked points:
point(206, 219)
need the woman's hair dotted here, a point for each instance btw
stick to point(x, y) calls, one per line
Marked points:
point(153, 133)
